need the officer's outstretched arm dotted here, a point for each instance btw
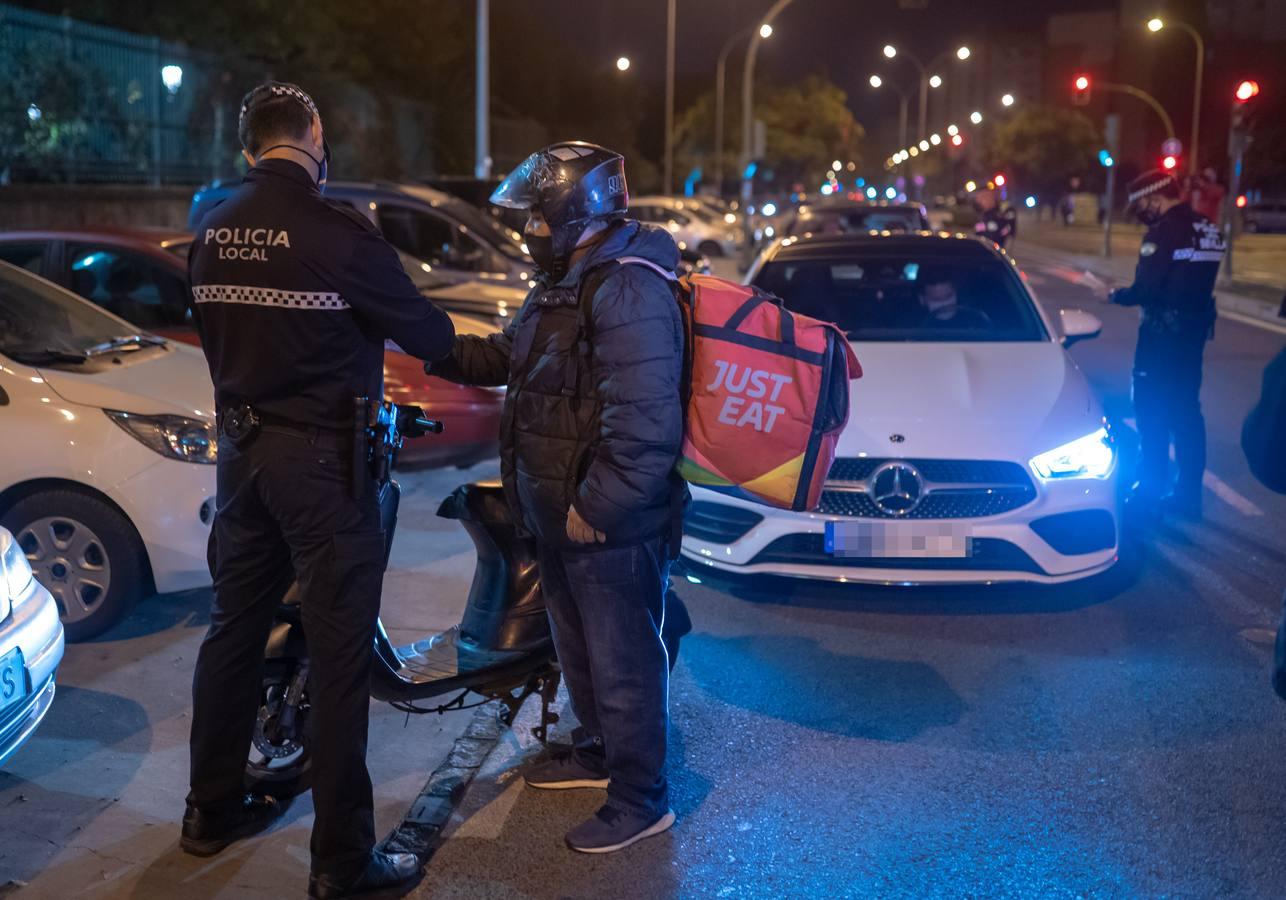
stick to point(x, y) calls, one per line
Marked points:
point(1149, 275)
point(483, 361)
point(384, 297)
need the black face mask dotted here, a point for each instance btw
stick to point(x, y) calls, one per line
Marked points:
point(1148, 215)
point(323, 164)
point(541, 248)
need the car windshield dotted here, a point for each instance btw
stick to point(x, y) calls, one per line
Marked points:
point(491, 229)
point(42, 322)
point(859, 220)
point(908, 297)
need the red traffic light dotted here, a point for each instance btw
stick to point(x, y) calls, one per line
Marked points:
point(1081, 96)
point(999, 180)
point(1169, 163)
point(1247, 89)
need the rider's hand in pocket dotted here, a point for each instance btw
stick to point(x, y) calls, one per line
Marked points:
point(579, 531)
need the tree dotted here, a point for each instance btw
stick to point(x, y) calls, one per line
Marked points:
point(809, 125)
point(1042, 147)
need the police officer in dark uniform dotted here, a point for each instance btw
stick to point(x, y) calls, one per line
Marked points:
point(1173, 283)
point(294, 297)
point(996, 222)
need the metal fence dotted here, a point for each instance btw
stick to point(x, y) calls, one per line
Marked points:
point(83, 103)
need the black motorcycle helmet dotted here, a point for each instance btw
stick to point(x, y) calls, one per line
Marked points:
point(571, 184)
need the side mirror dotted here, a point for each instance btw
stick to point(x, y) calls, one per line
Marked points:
point(1078, 325)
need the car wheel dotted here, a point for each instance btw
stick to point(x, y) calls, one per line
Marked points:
point(710, 249)
point(85, 553)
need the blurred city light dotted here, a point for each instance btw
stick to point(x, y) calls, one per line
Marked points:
point(765, 30)
point(837, 165)
point(1030, 201)
point(876, 81)
point(971, 186)
point(975, 117)
point(34, 113)
point(1105, 159)
point(872, 193)
point(827, 189)
point(935, 81)
point(890, 192)
point(962, 53)
point(914, 151)
point(623, 63)
point(852, 166)
point(924, 145)
point(1007, 100)
point(769, 209)
point(1247, 89)
point(1082, 83)
point(1241, 201)
point(956, 140)
point(172, 78)
point(890, 51)
point(1169, 163)
point(1155, 24)
point(952, 130)
point(935, 139)
point(999, 180)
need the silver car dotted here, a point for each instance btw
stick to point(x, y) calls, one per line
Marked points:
point(31, 646)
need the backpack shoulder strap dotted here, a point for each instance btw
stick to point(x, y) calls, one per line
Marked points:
point(597, 276)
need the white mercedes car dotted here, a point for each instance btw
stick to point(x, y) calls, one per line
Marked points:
point(975, 451)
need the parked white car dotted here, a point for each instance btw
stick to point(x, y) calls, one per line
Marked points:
point(975, 451)
point(692, 225)
point(31, 646)
point(106, 471)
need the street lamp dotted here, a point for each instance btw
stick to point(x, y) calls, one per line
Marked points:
point(748, 92)
point(890, 51)
point(924, 146)
point(765, 30)
point(876, 82)
point(926, 81)
point(975, 117)
point(962, 54)
point(935, 139)
point(623, 63)
point(1007, 100)
point(172, 78)
point(1155, 25)
point(953, 130)
point(935, 81)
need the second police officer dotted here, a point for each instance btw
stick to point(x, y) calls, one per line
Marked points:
point(294, 297)
point(1174, 284)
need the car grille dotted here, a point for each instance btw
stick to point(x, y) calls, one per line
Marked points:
point(949, 489)
point(719, 523)
point(989, 555)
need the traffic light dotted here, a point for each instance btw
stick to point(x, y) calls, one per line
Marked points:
point(1168, 163)
point(1081, 90)
point(1246, 90)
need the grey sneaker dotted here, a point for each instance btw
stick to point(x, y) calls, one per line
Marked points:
point(613, 829)
point(564, 773)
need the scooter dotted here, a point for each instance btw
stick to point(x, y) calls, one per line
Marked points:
point(502, 649)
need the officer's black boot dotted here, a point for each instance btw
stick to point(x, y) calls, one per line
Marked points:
point(383, 870)
point(206, 834)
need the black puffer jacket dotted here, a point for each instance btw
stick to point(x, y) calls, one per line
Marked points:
point(603, 428)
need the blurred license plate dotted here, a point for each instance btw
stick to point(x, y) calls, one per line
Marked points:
point(898, 540)
point(13, 680)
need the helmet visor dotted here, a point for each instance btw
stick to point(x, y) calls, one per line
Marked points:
point(519, 190)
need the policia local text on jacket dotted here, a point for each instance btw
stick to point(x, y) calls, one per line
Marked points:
point(294, 297)
point(1173, 283)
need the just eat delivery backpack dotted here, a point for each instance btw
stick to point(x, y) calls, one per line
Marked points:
point(765, 390)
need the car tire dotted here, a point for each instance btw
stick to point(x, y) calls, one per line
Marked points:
point(711, 249)
point(86, 553)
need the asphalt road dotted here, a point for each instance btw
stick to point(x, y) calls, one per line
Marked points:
point(1112, 738)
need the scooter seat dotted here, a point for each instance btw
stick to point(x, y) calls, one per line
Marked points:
point(448, 662)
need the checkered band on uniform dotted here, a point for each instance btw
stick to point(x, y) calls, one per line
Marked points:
point(258, 296)
point(1152, 186)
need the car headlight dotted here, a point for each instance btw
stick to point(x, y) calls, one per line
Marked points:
point(15, 571)
point(175, 437)
point(1091, 456)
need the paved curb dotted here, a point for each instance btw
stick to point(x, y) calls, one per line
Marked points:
point(1119, 271)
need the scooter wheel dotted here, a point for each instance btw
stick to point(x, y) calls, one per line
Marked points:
point(280, 761)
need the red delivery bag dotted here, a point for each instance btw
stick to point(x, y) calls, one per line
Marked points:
point(766, 392)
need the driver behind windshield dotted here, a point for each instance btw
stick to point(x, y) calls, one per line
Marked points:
point(940, 305)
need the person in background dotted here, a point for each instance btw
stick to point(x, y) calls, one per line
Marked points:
point(1206, 194)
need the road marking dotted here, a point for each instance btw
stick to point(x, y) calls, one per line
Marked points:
point(1225, 493)
point(1252, 321)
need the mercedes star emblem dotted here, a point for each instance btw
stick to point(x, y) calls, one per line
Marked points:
point(896, 488)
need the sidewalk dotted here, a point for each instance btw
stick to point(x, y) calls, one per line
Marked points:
point(1260, 258)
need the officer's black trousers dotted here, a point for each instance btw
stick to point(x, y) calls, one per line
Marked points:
point(1167, 405)
point(285, 507)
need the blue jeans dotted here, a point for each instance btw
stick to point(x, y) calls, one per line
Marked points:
point(606, 607)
